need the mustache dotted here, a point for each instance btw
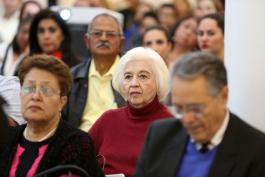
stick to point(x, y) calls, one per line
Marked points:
point(103, 44)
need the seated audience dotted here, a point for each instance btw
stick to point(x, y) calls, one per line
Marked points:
point(142, 79)
point(210, 35)
point(205, 139)
point(46, 140)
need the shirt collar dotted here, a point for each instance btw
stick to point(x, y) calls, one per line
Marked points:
point(218, 137)
point(94, 72)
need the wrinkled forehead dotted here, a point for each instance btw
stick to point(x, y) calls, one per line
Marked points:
point(104, 21)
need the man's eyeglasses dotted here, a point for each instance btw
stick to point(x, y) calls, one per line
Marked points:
point(109, 34)
point(43, 90)
point(158, 42)
point(179, 111)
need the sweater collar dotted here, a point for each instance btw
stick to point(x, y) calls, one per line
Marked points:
point(146, 111)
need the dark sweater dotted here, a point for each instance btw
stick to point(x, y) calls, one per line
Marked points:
point(119, 135)
point(68, 146)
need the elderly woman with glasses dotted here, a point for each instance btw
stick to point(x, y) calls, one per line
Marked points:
point(46, 140)
point(141, 78)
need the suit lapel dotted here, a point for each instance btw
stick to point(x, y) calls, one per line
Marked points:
point(226, 153)
point(173, 155)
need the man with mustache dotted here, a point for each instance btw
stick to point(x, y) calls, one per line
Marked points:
point(205, 139)
point(92, 92)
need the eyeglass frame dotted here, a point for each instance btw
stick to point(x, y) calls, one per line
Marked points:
point(197, 109)
point(109, 34)
point(29, 89)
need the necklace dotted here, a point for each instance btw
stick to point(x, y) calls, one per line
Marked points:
point(49, 134)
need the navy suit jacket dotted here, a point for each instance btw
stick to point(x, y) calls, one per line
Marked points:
point(240, 154)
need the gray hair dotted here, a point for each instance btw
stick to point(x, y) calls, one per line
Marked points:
point(195, 64)
point(158, 66)
point(90, 26)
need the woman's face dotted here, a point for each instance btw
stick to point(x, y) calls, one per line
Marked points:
point(23, 36)
point(138, 86)
point(40, 97)
point(205, 7)
point(185, 35)
point(157, 40)
point(210, 37)
point(50, 36)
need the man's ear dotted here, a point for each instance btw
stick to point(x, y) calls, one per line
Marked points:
point(122, 42)
point(86, 40)
point(224, 94)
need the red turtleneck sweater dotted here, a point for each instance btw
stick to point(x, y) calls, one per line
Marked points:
point(119, 135)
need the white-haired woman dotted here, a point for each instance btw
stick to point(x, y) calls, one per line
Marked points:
point(142, 79)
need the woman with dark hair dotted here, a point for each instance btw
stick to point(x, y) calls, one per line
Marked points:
point(210, 34)
point(184, 38)
point(49, 34)
point(17, 49)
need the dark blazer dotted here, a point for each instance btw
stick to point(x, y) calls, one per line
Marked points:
point(68, 146)
point(240, 154)
point(75, 106)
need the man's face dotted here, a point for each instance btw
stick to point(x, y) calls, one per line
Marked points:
point(104, 38)
point(203, 114)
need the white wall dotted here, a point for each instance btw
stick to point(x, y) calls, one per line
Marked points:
point(245, 59)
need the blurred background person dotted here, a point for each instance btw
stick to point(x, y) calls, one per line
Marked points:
point(46, 140)
point(12, 53)
point(9, 11)
point(49, 34)
point(157, 38)
point(142, 79)
point(29, 8)
point(168, 16)
point(17, 49)
point(183, 8)
point(184, 38)
point(205, 7)
point(210, 35)
point(149, 19)
point(142, 9)
point(10, 91)
point(91, 3)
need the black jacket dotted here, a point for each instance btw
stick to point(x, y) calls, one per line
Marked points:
point(240, 154)
point(68, 146)
point(75, 106)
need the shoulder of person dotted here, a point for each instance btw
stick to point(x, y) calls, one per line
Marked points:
point(247, 131)
point(9, 80)
point(81, 69)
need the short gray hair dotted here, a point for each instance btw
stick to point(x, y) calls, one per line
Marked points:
point(158, 66)
point(195, 64)
point(107, 16)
